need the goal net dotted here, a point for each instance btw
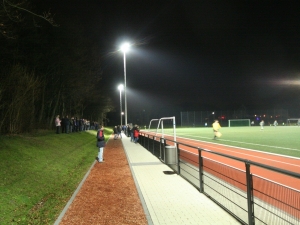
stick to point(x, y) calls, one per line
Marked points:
point(239, 123)
point(160, 125)
point(293, 122)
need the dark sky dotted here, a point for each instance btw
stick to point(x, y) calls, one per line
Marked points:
point(198, 55)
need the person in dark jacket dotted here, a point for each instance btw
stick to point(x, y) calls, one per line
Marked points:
point(119, 131)
point(100, 144)
point(132, 133)
point(136, 134)
point(67, 124)
point(115, 132)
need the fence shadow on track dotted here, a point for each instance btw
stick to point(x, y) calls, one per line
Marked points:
point(251, 199)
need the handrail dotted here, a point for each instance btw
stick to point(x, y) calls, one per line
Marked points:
point(249, 188)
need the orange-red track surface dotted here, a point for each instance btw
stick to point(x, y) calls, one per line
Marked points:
point(282, 162)
point(278, 161)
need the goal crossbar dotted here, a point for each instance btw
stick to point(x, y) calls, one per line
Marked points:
point(161, 123)
point(239, 122)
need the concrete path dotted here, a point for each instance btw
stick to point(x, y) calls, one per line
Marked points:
point(170, 199)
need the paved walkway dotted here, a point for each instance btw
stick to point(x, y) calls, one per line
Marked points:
point(170, 199)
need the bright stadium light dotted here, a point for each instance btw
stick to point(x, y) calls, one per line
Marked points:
point(124, 48)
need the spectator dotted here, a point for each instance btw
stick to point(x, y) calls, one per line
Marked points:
point(115, 132)
point(71, 125)
point(128, 131)
point(136, 134)
point(57, 124)
point(132, 132)
point(100, 144)
point(87, 125)
point(67, 124)
point(63, 125)
point(119, 131)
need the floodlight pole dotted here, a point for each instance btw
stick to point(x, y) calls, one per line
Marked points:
point(125, 88)
point(120, 87)
point(125, 47)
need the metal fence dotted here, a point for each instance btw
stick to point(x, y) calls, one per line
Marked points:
point(206, 118)
point(251, 199)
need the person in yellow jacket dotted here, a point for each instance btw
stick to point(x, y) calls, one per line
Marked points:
point(216, 126)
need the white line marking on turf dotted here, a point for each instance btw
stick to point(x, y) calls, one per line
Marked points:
point(247, 149)
point(270, 146)
point(241, 148)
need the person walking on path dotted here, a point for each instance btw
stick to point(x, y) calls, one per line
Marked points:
point(216, 126)
point(100, 144)
point(119, 131)
point(115, 132)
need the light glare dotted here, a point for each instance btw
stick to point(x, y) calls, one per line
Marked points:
point(125, 47)
point(120, 87)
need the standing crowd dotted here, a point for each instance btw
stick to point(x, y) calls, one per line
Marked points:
point(74, 124)
point(69, 125)
point(129, 131)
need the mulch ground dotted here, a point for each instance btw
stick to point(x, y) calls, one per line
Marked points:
point(109, 195)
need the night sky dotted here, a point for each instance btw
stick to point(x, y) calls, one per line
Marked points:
point(197, 55)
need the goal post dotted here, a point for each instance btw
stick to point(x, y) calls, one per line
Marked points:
point(160, 124)
point(239, 123)
point(293, 122)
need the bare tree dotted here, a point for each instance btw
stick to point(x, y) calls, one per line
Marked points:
point(13, 12)
point(21, 89)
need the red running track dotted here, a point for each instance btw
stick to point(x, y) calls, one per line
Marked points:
point(278, 161)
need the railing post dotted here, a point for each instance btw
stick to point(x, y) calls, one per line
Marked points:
point(178, 159)
point(162, 144)
point(152, 143)
point(148, 141)
point(201, 187)
point(249, 194)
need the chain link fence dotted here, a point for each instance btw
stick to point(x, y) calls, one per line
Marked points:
point(206, 118)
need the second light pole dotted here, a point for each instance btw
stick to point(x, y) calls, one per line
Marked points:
point(120, 87)
point(124, 48)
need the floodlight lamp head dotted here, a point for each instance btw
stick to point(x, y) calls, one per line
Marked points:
point(125, 47)
point(120, 87)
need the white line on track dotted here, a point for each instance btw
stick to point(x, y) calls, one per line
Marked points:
point(270, 146)
point(241, 153)
point(247, 149)
point(240, 148)
point(254, 156)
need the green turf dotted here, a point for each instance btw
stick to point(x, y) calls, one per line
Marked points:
point(40, 172)
point(279, 140)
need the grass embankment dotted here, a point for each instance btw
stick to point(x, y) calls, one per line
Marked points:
point(39, 173)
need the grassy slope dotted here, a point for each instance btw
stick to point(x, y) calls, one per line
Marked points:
point(40, 172)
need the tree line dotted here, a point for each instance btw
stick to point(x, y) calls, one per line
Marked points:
point(47, 68)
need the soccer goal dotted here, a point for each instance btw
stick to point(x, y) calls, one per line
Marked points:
point(239, 123)
point(171, 123)
point(293, 122)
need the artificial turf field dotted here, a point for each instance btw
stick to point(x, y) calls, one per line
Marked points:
point(283, 140)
